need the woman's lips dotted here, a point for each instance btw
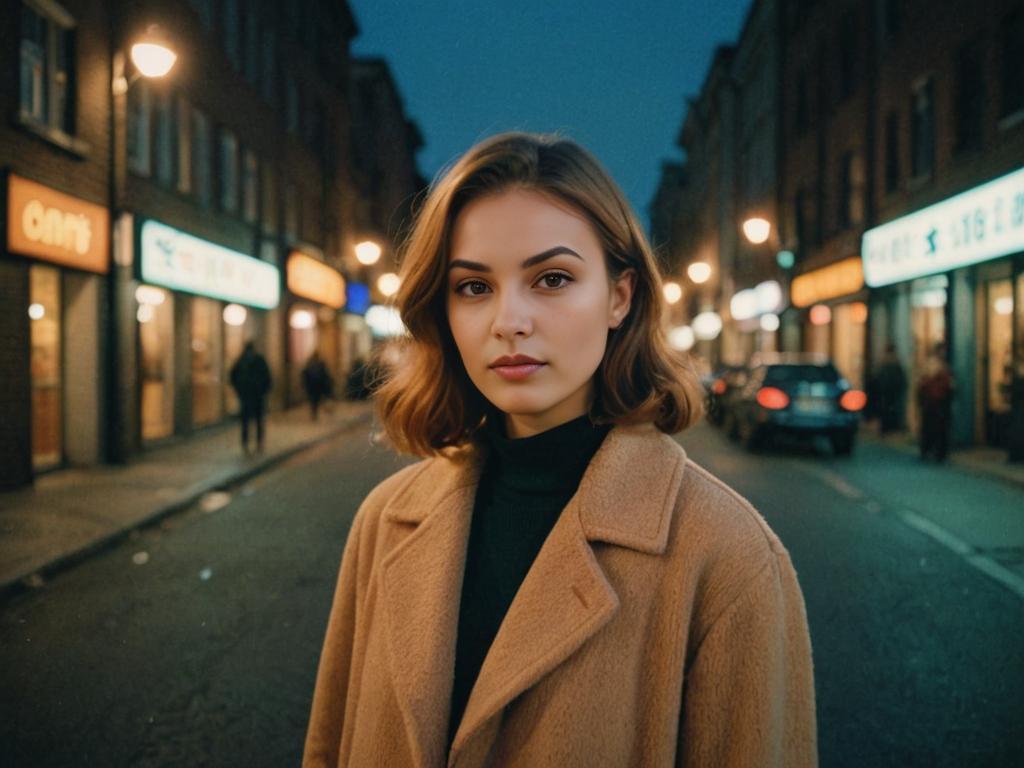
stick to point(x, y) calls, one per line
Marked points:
point(517, 372)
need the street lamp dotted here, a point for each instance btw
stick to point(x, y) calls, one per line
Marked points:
point(757, 230)
point(389, 283)
point(152, 57)
point(699, 272)
point(672, 292)
point(367, 252)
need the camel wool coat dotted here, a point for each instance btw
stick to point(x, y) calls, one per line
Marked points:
point(660, 625)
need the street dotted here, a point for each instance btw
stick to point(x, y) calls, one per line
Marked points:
point(196, 642)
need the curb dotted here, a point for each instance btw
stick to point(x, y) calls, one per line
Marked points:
point(66, 560)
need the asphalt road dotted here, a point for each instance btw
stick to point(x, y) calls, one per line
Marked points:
point(196, 642)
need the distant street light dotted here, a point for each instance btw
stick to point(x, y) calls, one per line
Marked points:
point(367, 252)
point(707, 325)
point(757, 229)
point(672, 292)
point(699, 272)
point(389, 283)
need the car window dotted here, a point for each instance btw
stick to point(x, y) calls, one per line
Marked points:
point(791, 374)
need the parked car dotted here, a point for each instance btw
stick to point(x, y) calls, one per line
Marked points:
point(797, 395)
point(720, 387)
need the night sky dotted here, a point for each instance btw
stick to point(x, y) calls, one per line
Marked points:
point(613, 75)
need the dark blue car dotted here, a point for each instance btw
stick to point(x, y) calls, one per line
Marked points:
point(796, 395)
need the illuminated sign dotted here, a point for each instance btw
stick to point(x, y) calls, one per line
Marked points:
point(358, 298)
point(50, 225)
point(312, 279)
point(839, 279)
point(981, 224)
point(179, 261)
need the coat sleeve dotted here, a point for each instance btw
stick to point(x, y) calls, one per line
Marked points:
point(332, 681)
point(748, 697)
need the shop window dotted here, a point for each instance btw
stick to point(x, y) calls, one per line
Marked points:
point(202, 158)
point(228, 154)
point(46, 70)
point(44, 311)
point(250, 180)
point(184, 145)
point(1012, 51)
point(892, 152)
point(164, 136)
point(969, 112)
point(140, 110)
point(922, 129)
point(999, 354)
point(155, 314)
point(238, 323)
point(928, 298)
point(207, 406)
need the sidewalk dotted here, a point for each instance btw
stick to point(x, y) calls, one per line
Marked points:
point(69, 514)
point(978, 460)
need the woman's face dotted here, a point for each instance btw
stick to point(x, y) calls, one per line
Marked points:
point(527, 277)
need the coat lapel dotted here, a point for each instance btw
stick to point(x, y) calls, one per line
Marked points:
point(626, 497)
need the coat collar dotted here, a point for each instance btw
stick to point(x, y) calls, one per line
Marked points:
point(626, 498)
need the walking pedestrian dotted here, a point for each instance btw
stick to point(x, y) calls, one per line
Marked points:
point(317, 382)
point(890, 387)
point(935, 401)
point(250, 377)
point(555, 583)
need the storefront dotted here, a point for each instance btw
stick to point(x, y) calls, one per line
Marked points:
point(317, 293)
point(834, 315)
point(197, 305)
point(67, 243)
point(948, 280)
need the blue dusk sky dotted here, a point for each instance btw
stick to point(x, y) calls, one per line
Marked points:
point(612, 75)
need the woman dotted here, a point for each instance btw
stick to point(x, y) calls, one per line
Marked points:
point(555, 584)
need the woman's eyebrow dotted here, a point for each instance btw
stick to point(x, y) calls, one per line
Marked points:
point(527, 263)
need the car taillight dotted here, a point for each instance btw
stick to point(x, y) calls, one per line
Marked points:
point(853, 400)
point(718, 387)
point(772, 398)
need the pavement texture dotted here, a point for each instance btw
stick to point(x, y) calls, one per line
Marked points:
point(70, 514)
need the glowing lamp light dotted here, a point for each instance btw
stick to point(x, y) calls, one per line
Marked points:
point(672, 292)
point(821, 315)
point(785, 259)
point(699, 272)
point(1003, 305)
point(859, 312)
point(384, 321)
point(36, 311)
point(769, 296)
point(853, 400)
point(147, 294)
point(770, 322)
point(235, 314)
point(302, 319)
point(682, 338)
point(151, 55)
point(707, 325)
point(145, 313)
point(367, 252)
point(389, 283)
point(757, 229)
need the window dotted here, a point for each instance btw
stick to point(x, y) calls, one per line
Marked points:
point(851, 206)
point(202, 158)
point(250, 169)
point(268, 82)
point(164, 139)
point(1012, 64)
point(46, 76)
point(140, 110)
point(892, 152)
point(233, 33)
point(922, 130)
point(228, 155)
point(268, 189)
point(891, 18)
point(849, 69)
point(969, 113)
point(184, 120)
point(252, 48)
point(45, 365)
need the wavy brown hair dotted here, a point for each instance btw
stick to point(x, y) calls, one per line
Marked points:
point(426, 403)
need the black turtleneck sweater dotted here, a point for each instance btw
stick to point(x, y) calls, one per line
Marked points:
point(524, 486)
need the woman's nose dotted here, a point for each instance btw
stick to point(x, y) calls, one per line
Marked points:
point(512, 318)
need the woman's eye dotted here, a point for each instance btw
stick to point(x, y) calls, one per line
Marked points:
point(461, 289)
point(555, 280)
